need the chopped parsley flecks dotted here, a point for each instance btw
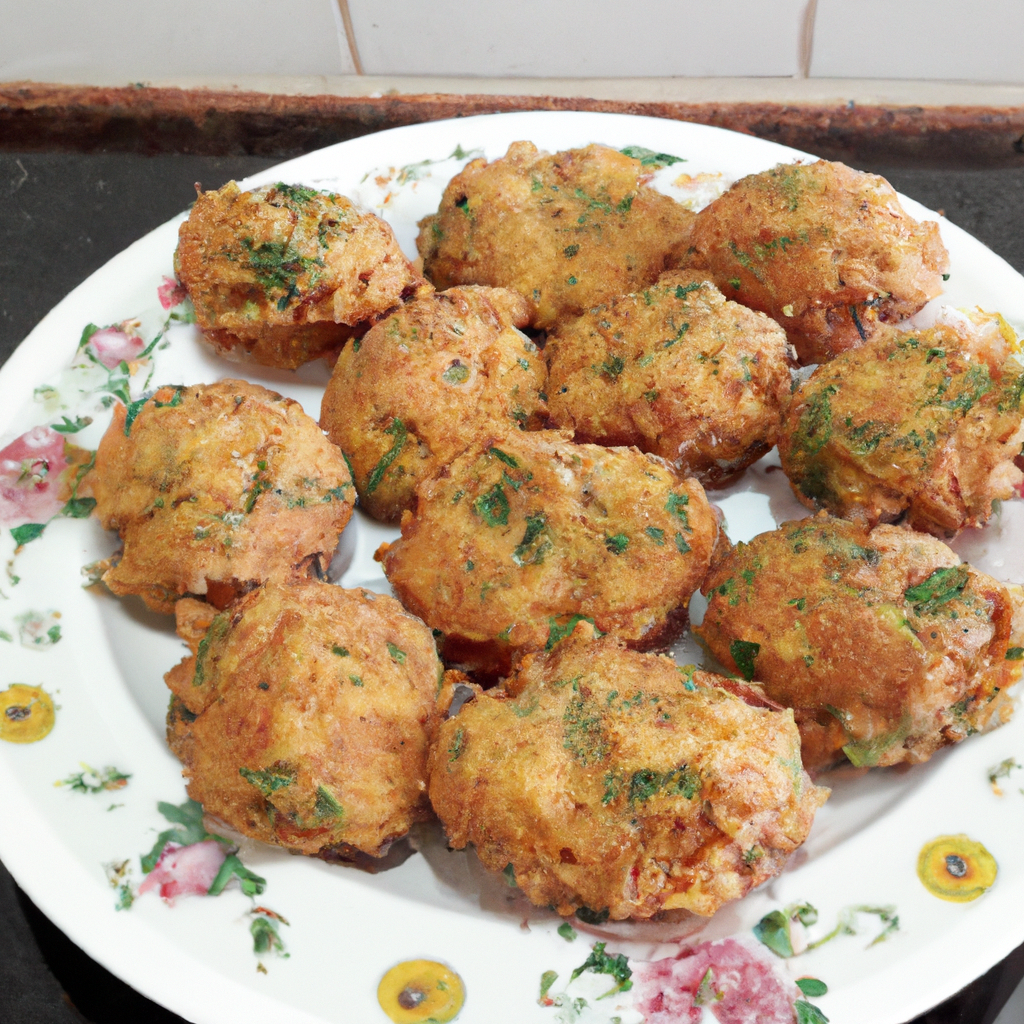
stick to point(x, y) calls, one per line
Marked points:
point(867, 753)
point(327, 805)
point(269, 780)
point(1000, 771)
point(78, 508)
point(398, 431)
point(744, 653)
point(583, 732)
point(646, 783)
point(649, 158)
point(277, 266)
point(669, 342)
point(613, 366)
point(296, 193)
point(558, 632)
point(676, 506)
point(943, 586)
point(132, 410)
point(217, 631)
point(457, 745)
point(457, 373)
point(814, 428)
point(493, 507)
point(617, 544)
point(535, 544)
point(261, 483)
point(977, 383)
point(503, 457)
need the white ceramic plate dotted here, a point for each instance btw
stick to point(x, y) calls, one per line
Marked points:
point(347, 928)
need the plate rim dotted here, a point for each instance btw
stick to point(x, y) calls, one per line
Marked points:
point(19, 371)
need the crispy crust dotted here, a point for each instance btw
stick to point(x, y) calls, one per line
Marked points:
point(214, 488)
point(676, 370)
point(883, 643)
point(923, 423)
point(611, 779)
point(825, 250)
point(523, 533)
point(566, 231)
point(284, 274)
point(423, 384)
point(303, 716)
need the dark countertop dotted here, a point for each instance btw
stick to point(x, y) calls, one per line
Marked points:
point(65, 214)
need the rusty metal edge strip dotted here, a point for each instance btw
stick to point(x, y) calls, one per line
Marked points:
point(152, 120)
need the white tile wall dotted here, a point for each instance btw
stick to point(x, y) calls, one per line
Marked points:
point(578, 38)
point(77, 41)
point(115, 42)
point(980, 40)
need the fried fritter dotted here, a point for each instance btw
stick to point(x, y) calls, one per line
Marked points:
point(567, 231)
point(524, 535)
point(676, 370)
point(609, 779)
point(925, 423)
point(285, 274)
point(304, 715)
point(825, 250)
point(214, 488)
point(885, 645)
point(425, 383)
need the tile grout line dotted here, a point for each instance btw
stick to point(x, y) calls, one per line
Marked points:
point(350, 35)
point(806, 37)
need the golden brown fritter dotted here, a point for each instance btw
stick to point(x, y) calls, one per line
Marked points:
point(567, 231)
point(422, 385)
point(285, 274)
point(676, 370)
point(304, 715)
point(886, 646)
point(825, 250)
point(214, 488)
point(524, 535)
point(926, 423)
point(614, 780)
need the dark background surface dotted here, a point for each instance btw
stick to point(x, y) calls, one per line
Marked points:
point(62, 215)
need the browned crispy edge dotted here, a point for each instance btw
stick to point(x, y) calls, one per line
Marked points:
point(155, 120)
